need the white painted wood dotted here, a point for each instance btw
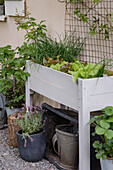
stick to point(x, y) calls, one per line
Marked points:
point(2, 17)
point(55, 85)
point(28, 101)
point(101, 92)
point(100, 85)
point(14, 7)
point(84, 129)
point(88, 95)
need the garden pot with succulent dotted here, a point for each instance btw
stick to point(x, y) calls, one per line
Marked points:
point(31, 139)
point(104, 128)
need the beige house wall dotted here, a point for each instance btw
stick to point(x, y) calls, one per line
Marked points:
point(50, 10)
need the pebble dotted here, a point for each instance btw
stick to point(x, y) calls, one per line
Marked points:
point(11, 160)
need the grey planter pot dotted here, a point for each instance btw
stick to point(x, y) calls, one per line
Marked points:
point(3, 113)
point(106, 164)
point(35, 150)
point(2, 10)
point(67, 146)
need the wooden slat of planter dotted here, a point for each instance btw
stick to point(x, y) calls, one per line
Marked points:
point(56, 85)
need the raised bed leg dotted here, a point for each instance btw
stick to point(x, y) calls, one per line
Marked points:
point(84, 129)
point(29, 94)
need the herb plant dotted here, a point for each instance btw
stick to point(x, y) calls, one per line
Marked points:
point(39, 47)
point(46, 47)
point(67, 48)
point(30, 120)
point(12, 77)
point(104, 128)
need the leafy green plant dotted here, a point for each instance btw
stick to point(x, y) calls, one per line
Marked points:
point(12, 77)
point(104, 128)
point(97, 21)
point(34, 32)
point(46, 47)
point(67, 49)
point(82, 70)
point(1, 2)
point(91, 70)
point(39, 47)
point(30, 120)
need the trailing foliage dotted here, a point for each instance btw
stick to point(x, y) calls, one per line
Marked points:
point(98, 22)
point(104, 128)
point(12, 77)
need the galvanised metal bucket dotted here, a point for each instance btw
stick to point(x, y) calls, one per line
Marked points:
point(106, 164)
point(67, 146)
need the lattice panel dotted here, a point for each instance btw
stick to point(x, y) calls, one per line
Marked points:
point(96, 47)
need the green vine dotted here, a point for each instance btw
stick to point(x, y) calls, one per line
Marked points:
point(97, 23)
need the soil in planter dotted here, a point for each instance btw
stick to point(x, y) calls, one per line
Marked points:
point(69, 129)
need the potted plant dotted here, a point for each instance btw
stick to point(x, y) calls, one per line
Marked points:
point(1, 7)
point(31, 139)
point(104, 128)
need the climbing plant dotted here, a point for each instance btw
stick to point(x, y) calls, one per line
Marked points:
point(97, 21)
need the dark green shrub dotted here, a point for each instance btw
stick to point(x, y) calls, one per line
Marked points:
point(12, 77)
point(1, 2)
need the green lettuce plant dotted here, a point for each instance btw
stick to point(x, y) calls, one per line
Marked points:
point(81, 70)
point(104, 128)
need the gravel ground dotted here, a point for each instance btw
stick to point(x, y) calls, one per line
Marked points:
point(11, 160)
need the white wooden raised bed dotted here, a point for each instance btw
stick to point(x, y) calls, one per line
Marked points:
point(86, 96)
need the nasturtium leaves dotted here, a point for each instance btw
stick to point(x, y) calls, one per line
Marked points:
point(98, 155)
point(110, 119)
point(104, 157)
point(104, 124)
point(96, 144)
point(99, 130)
point(108, 110)
point(91, 121)
point(109, 134)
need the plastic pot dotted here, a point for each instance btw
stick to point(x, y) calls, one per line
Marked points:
point(34, 150)
point(106, 164)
